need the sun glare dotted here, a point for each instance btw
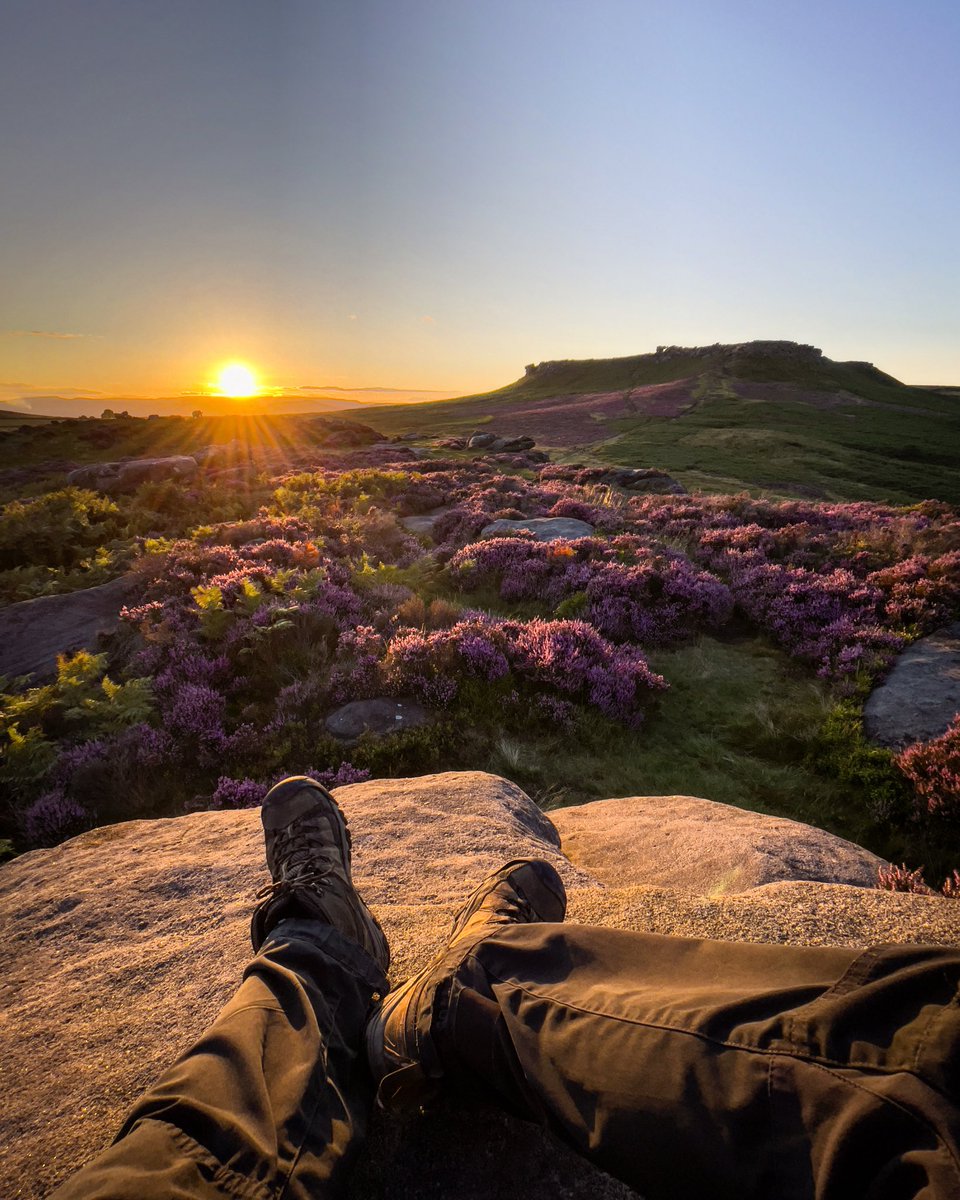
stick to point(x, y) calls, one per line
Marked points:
point(237, 381)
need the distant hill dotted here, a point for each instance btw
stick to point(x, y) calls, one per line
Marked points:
point(170, 406)
point(776, 415)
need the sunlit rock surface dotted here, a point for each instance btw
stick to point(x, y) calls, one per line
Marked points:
point(122, 944)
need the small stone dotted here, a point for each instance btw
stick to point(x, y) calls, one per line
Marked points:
point(379, 717)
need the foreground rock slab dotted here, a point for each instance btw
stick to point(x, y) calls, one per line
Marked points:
point(34, 632)
point(921, 695)
point(122, 944)
point(704, 847)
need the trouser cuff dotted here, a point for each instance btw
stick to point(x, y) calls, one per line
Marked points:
point(336, 945)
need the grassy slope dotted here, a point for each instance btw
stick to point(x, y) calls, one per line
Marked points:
point(846, 453)
point(903, 445)
point(10, 420)
point(51, 448)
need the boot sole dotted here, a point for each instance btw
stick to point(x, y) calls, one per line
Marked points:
point(287, 789)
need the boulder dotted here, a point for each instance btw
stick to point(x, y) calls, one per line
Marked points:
point(380, 716)
point(517, 445)
point(396, 452)
point(223, 454)
point(423, 523)
point(480, 441)
point(150, 470)
point(543, 529)
point(638, 479)
point(121, 945)
point(921, 696)
point(127, 475)
point(34, 632)
point(704, 847)
point(340, 434)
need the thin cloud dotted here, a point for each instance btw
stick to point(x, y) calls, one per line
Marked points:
point(334, 387)
point(46, 333)
point(352, 317)
point(428, 321)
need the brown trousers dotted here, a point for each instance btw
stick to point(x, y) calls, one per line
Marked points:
point(684, 1067)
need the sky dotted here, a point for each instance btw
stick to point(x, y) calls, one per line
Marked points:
point(430, 194)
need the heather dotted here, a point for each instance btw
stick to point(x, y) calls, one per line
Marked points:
point(933, 771)
point(627, 590)
point(719, 645)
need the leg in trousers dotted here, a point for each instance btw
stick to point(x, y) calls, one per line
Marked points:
point(689, 1067)
point(271, 1101)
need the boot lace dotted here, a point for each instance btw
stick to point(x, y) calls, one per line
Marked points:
point(299, 863)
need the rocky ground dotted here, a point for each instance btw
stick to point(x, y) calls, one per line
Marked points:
point(123, 943)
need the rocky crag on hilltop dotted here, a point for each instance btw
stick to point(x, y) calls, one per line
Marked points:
point(122, 944)
point(720, 356)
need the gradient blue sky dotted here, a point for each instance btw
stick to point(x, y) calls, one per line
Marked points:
point(432, 193)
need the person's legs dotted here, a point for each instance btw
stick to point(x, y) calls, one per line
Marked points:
point(273, 1099)
point(690, 1067)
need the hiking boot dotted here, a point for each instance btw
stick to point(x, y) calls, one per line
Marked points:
point(308, 856)
point(401, 1042)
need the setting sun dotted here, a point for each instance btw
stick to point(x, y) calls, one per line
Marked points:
point(237, 380)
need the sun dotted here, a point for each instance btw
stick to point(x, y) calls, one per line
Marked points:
point(237, 381)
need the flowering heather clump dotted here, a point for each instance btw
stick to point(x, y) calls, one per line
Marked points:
point(356, 673)
point(568, 657)
point(920, 592)
point(340, 776)
point(630, 591)
point(578, 662)
point(933, 769)
point(829, 619)
point(838, 585)
point(53, 817)
point(237, 793)
point(900, 879)
point(576, 509)
point(248, 793)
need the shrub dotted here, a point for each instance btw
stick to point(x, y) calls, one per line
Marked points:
point(53, 817)
point(624, 588)
point(902, 879)
point(566, 657)
point(59, 529)
point(933, 770)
